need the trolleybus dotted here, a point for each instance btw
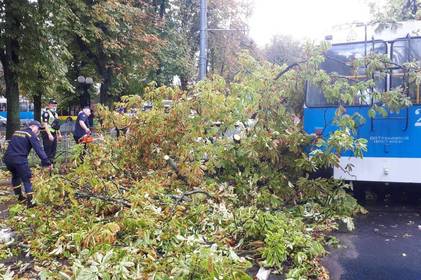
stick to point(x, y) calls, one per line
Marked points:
point(394, 141)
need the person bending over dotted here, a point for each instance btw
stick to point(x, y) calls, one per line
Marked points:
point(82, 124)
point(16, 159)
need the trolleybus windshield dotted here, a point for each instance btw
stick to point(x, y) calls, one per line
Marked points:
point(404, 51)
point(340, 60)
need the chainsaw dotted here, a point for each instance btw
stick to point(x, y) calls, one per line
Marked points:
point(86, 139)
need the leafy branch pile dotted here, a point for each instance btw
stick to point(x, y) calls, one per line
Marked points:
point(200, 190)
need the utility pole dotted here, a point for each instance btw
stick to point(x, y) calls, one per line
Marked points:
point(203, 39)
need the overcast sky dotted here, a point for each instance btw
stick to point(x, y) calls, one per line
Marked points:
point(301, 19)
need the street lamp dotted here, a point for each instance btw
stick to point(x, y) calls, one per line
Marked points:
point(85, 82)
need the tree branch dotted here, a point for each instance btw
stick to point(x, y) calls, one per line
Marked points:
point(181, 197)
point(123, 202)
point(289, 68)
point(88, 195)
point(174, 167)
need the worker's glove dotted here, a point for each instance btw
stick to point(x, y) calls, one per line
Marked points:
point(49, 169)
point(45, 163)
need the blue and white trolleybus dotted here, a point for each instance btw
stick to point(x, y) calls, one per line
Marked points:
point(394, 142)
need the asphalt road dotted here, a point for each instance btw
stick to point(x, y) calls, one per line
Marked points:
point(386, 244)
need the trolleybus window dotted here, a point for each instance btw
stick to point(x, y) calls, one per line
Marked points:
point(403, 51)
point(23, 107)
point(340, 60)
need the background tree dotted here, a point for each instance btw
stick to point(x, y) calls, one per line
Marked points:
point(31, 51)
point(225, 45)
point(45, 68)
point(180, 33)
point(12, 36)
point(123, 45)
point(396, 10)
point(175, 58)
point(118, 38)
point(283, 49)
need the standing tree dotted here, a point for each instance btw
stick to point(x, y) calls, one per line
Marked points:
point(180, 33)
point(283, 50)
point(12, 35)
point(31, 51)
point(396, 10)
point(119, 40)
point(44, 70)
point(224, 45)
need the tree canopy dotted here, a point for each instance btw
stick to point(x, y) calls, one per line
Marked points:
point(122, 45)
point(396, 10)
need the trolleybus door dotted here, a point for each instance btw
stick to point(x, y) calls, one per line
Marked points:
point(404, 52)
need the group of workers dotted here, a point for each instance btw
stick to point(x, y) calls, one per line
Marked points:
point(22, 141)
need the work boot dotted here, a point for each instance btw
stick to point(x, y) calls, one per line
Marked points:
point(18, 193)
point(29, 202)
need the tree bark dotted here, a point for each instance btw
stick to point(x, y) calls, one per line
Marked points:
point(184, 82)
point(162, 8)
point(106, 74)
point(37, 106)
point(10, 60)
point(100, 60)
point(12, 88)
point(104, 97)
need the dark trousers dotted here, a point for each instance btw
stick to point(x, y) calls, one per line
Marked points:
point(50, 147)
point(21, 173)
point(77, 138)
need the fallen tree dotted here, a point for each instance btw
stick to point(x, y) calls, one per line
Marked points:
point(179, 197)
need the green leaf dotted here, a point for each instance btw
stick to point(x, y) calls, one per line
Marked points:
point(371, 113)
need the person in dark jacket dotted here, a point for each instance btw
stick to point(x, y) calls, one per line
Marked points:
point(16, 159)
point(50, 132)
point(82, 124)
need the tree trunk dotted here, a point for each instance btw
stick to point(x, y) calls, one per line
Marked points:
point(12, 91)
point(104, 97)
point(10, 60)
point(106, 73)
point(162, 8)
point(159, 6)
point(212, 61)
point(184, 82)
point(37, 106)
